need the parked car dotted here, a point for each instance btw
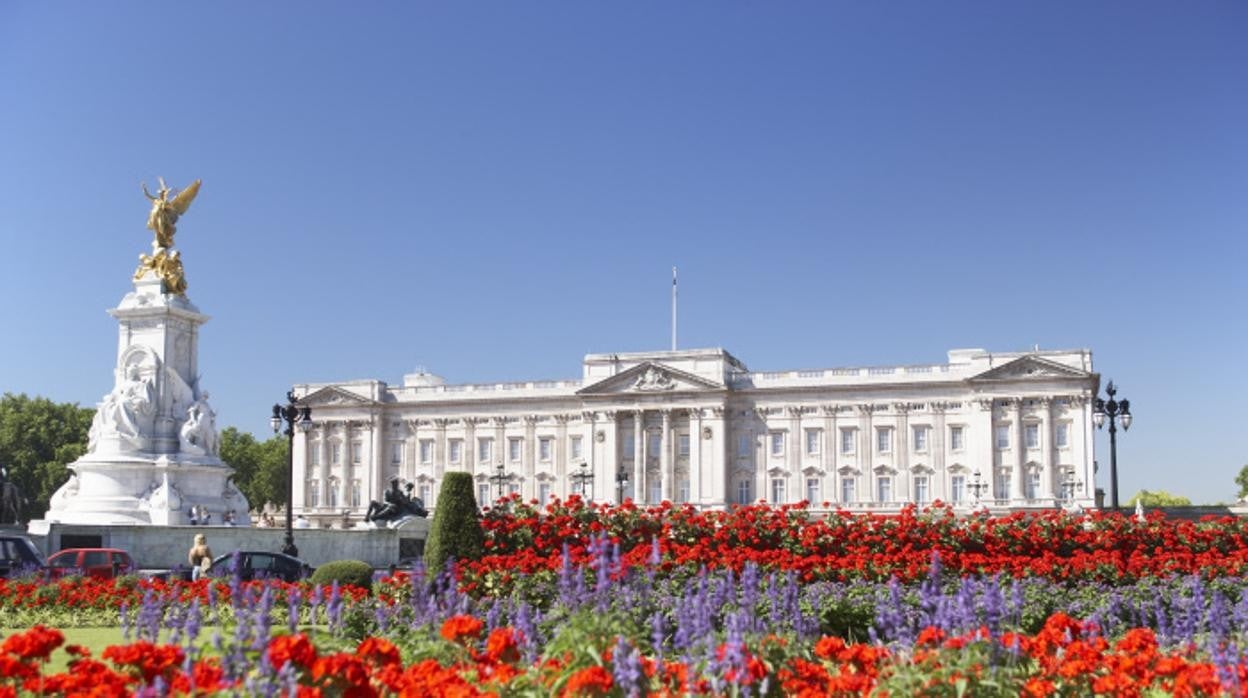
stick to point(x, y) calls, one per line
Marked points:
point(17, 553)
point(261, 565)
point(101, 563)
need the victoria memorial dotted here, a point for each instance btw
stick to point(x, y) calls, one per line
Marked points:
point(997, 430)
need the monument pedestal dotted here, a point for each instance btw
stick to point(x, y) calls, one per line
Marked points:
point(152, 455)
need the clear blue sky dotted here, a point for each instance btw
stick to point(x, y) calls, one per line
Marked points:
point(493, 190)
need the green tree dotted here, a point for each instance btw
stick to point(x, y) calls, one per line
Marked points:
point(259, 466)
point(456, 528)
point(1242, 480)
point(38, 439)
point(1159, 499)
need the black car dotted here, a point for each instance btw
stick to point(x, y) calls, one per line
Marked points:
point(260, 565)
point(18, 554)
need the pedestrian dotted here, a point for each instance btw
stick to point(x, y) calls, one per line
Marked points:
point(194, 517)
point(200, 556)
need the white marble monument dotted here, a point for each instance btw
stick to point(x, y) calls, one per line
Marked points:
point(153, 449)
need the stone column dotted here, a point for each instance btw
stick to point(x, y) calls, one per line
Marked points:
point(901, 455)
point(1017, 491)
point(696, 494)
point(796, 454)
point(439, 449)
point(639, 456)
point(1047, 450)
point(376, 462)
point(938, 485)
point(469, 454)
point(666, 466)
point(528, 455)
point(326, 432)
point(866, 453)
point(560, 456)
point(589, 451)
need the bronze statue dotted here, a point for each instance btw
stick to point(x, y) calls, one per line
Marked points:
point(168, 266)
point(165, 211)
point(397, 505)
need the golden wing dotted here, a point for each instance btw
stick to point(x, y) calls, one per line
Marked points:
point(183, 200)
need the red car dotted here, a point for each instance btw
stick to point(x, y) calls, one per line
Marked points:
point(101, 563)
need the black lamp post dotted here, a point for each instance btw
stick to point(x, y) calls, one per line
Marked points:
point(300, 418)
point(1117, 412)
point(621, 479)
point(500, 478)
point(584, 481)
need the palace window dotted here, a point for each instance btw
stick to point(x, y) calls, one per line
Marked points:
point(426, 493)
point(777, 443)
point(485, 450)
point(744, 447)
point(574, 446)
point(920, 439)
point(812, 441)
point(957, 488)
point(682, 445)
point(357, 452)
point(543, 493)
point(883, 440)
point(335, 453)
point(682, 491)
point(812, 491)
point(333, 493)
point(396, 453)
point(1033, 485)
point(455, 450)
point(514, 448)
point(1002, 486)
point(1061, 435)
point(777, 490)
point(884, 488)
point(357, 493)
point(847, 441)
point(314, 454)
point(314, 493)
point(426, 451)
point(654, 446)
point(920, 489)
point(656, 490)
point(483, 494)
point(544, 447)
point(1003, 436)
point(1031, 435)
point(955, 438)
point(630, 446)
point(743, 492)
point(848, 490)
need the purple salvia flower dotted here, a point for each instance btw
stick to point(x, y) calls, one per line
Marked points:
point(293, 599)
point(626, 669)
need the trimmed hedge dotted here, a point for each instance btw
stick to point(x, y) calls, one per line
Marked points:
point(456, 528)
point(355, 572)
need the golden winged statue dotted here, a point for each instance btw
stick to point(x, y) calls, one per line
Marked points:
point(165, 211)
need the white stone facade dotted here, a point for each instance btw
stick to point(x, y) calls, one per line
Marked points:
point(698, 426)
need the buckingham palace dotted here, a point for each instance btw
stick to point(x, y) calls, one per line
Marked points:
point(1001, 430)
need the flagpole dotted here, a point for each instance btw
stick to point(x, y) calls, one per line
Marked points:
point(673, 308)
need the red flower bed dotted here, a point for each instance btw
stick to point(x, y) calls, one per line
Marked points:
point(1066, 657)
point(1100, 546)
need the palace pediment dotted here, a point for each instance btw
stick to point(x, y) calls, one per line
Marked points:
point(1028, 367)
point(332, 396)
point(650, 378)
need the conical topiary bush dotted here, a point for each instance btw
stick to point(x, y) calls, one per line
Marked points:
point(456, 528)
